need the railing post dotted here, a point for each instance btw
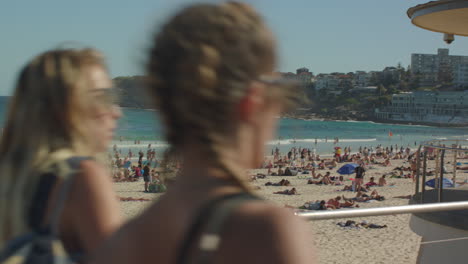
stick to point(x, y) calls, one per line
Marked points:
point(418, 169)
point(441, 178)
point(424, 176)
point(455, 153)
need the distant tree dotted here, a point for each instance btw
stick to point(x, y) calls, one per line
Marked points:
point(381, 90)
point(384, 100)
point(399, 67)
point(391, 89)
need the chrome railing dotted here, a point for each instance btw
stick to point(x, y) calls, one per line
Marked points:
point(392, 210)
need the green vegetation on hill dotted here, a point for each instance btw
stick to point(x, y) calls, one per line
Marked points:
point(132, 92)
point(349, 103)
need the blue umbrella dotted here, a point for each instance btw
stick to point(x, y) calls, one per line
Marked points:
point(348, 168)
point(447, 183)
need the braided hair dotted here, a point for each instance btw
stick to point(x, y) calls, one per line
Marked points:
point(200, 66)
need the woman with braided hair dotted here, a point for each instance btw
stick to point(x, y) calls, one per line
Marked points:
point(210, 75)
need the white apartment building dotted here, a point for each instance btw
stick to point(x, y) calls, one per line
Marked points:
point(326, 81)
point(460, 75)
point(362, 78)
point(424, 106)
point(429, 66)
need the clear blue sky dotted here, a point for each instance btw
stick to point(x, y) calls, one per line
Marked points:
point(325, 36)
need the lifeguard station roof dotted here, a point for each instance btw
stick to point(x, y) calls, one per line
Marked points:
point(445, 16)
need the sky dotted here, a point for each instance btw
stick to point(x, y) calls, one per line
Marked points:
point(324, 36)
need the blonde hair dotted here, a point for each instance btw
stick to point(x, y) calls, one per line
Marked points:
point(42, 127)
point(201, 64)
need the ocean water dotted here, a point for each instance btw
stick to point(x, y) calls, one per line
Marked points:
point(144, 125)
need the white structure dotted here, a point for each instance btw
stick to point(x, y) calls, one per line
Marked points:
point(431, 66)
point(460, 75)
point(362, 78)
point(431, 107)
point(326, 81)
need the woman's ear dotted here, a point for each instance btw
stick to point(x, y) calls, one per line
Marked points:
point(252, 102)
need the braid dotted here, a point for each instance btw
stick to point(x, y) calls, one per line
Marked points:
point(199, 68)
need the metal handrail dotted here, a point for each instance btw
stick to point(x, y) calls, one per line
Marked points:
point(435, 143)
point(392, 210)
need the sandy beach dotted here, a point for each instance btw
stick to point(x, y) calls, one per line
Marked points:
point(394, 244)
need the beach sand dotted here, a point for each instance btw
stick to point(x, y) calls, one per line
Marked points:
point(394, 244)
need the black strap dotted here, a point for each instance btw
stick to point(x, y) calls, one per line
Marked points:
point(212, 216)
point(74, 165)
point(41, 200)
point(42, 196)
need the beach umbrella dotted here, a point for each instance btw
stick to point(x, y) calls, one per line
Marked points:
point(348, 168)
point(447, 183)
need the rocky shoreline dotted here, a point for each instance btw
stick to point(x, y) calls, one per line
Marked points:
point(356, 116)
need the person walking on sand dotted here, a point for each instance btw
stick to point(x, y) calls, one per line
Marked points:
point(146, 177)
point(359, 179)
point(211, 74)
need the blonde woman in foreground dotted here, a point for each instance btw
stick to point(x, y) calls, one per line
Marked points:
point(61, 109)
point(210, 72)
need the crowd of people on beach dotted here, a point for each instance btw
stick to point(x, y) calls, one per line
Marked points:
point(304, 163)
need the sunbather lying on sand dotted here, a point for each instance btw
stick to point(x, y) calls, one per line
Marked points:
point(293, 191)
point(325, 180)
point(334, 203)
point(362, 197)
point(351, 223)
point(360, 188)
point(317, 205)
point(283, 182)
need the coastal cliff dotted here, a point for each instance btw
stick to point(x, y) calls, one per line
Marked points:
point(132, 92)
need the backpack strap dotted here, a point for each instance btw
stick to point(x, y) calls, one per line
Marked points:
point(212, 217)
point(73, 164)
point(40, 201)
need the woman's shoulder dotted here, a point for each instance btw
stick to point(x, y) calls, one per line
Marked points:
point(267, 215)
point(91, 166)
point(270, 231)
point(92, 173)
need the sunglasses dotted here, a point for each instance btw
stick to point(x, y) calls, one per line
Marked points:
point(106, 96)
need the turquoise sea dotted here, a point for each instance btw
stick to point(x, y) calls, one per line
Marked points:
point(143, 125)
